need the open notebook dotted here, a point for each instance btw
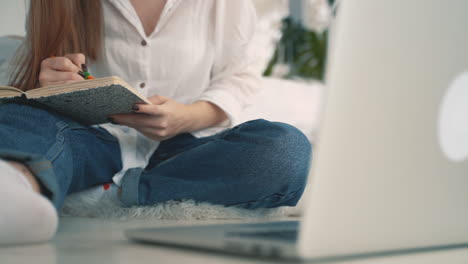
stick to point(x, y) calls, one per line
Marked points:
point(89, 102)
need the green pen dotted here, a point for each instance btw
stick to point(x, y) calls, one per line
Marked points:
point(85, 74)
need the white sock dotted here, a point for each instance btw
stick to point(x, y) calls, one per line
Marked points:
point(25, 216)
point(101, 195)
point(13, 175)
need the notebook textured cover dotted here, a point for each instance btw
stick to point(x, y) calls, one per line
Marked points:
point(92, 106)
point(88, 102)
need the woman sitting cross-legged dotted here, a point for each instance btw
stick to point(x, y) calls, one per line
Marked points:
point(192, 60)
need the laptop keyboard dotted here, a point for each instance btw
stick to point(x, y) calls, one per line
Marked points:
point(282, 235)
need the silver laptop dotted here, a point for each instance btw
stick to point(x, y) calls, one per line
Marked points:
point(390, 168)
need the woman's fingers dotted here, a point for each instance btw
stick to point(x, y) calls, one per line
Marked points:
point(136, 120)
point(148, 109)
point(156, 134)
point(55, 76)
point(78, 59)
point(59, 83)
point(50, 77)
point(61, 70)
point(158, 99)
point(60, 64)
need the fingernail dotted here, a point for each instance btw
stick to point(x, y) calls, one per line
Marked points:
point(82, 74)
point(111, 120)
point(135, 108)
point(83, 66)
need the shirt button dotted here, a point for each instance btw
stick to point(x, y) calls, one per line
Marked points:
point(142, 85)
point(144, 43)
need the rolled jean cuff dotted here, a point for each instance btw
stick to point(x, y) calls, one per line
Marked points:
point(130, 182)
point(41, 168)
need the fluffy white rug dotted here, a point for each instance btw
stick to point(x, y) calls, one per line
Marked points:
point(85, 205)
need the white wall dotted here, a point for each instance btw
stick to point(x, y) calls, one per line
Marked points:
point(12, 13)
point(12, 17)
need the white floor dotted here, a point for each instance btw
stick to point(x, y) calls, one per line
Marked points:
point(90, 241)
point(86, 240)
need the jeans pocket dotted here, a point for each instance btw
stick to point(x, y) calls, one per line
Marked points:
point(60, 137)
point(103, 134)
point(99, 132)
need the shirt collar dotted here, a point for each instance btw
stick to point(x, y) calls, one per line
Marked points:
point(168, 10)
point(127, 10)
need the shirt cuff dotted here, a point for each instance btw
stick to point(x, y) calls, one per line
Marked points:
point(228, 103)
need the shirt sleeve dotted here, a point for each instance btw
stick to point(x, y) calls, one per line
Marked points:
point(235, 76)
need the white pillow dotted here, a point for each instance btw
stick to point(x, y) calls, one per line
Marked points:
point(293, 102)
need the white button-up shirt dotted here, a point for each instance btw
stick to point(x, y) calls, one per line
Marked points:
point(200, 50)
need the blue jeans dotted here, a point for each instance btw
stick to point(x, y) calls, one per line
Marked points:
point(258, 164)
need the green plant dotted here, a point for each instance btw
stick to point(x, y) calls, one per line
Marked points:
point(304, 52)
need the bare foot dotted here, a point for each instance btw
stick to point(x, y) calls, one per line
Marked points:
point(29, 175)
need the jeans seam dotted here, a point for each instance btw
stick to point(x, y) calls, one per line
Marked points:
point(224, 134)
point(219, 136)
point(184, 151)
point(130, 195)
point(109, 138)
point(278, 196)
point(57, 148)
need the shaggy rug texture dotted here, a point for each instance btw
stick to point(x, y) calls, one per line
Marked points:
point(87, 206)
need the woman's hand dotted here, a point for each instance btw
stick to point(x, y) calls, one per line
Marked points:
point(166, 118)
point(61, 70)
